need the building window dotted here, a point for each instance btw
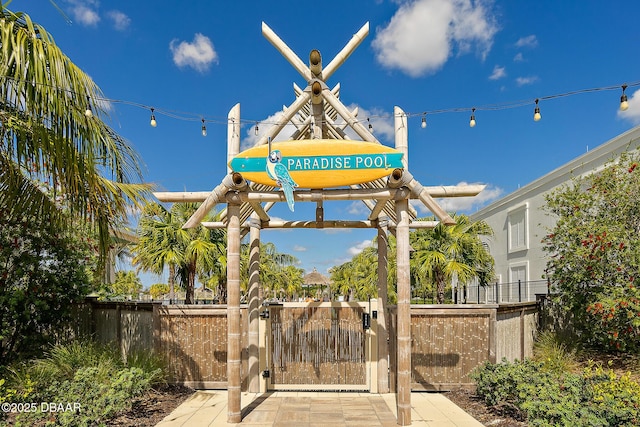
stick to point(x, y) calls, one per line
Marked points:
point(518, 229)
point(518, 289)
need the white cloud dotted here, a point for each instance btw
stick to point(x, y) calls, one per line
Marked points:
point(463, 204)
point(199, 54)
point(422, 34)
point(381, 123)
point(498, 73)
point(359, 247)
point(529, 41)
point(85, 12)
point(298, 248)
point(120, 21)
point(251, 139)
point(633, 113)
point(523, 81)
point(518, 58)
point(357, 208)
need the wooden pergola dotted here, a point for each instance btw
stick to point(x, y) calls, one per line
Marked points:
point(315, 114)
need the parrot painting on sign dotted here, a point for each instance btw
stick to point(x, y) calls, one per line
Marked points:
point(279, 173)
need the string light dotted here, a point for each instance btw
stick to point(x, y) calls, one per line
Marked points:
point(153, 122)
point(370, 125)
point(424, 121)
point(536, 113)
point(190, 116)
point(624, 104)
point(88, 112)
point(472, 120)
point(204, 129)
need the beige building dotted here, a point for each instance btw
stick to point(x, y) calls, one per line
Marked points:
point(519, 224)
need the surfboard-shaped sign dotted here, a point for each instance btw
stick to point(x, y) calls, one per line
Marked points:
point(317, 163)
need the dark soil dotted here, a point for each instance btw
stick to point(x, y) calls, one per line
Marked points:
point(150, 409)
point(488, 416)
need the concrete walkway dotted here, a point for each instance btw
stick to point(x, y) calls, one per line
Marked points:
point(209, 409)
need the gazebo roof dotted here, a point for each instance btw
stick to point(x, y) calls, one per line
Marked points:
point(315, 278)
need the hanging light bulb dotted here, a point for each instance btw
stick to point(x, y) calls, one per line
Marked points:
point(88, 112)
point(256, 129)
point(153, 122)
point(536, 113)
point(424, 121)
point(204, 129)
point(624, 104)
point(370, 125)
point(472, 120)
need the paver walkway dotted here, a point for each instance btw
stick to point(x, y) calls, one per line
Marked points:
point(301, 409)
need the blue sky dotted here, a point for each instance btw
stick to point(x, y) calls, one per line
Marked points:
point(197, 59)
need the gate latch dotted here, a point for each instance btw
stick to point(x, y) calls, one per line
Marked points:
point(366, 321)
point(264, 314)
point(265, 373)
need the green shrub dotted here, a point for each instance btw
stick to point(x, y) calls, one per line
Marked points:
point(546, 397)
point(92, 378)
point(154, 366)
point(64, 360)
point(556, 356)
point(94, 399)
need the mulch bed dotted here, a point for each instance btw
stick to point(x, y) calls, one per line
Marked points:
point(488, 416)
point(150, 409)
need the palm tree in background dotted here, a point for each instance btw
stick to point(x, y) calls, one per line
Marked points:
point(452, 251)
point(358, 278)
point(58, 159)
point(186, 252)
point(278, 271)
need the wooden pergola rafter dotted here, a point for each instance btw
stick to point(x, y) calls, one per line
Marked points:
point(318, 114)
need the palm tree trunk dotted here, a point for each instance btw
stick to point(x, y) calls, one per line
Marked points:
point(440, 285)
point(191, 284)
point(172, 282)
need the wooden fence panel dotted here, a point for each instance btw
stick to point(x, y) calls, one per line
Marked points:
point(447, 344)
point(136, 331)
point(193, 340)
point(517, 325)
point(450, 341)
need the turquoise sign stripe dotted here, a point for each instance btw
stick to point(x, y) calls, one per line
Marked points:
point(322, 163)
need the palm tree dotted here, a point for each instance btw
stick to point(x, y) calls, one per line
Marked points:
point(186, 252)
point(448, 251)
point(365, 273)
point(341, 279)
point(56, 160)
point(291, 278)
point(127, 284)
point(278, 271)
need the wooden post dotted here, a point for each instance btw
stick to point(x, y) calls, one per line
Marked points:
point(342, 56)
point(404, 282)
point(254, 305)
point(233, 134)
point(286, 51)
point(383, 347)
point(404, 314)
point(401, 134)
point(234, 345)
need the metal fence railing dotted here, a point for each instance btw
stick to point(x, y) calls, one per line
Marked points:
point(520, 291)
